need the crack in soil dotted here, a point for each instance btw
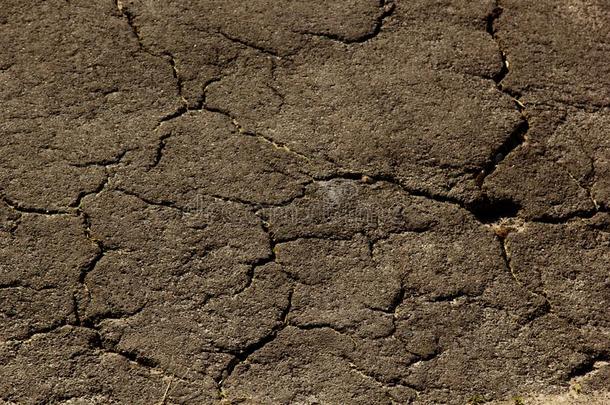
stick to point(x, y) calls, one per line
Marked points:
point(165, 55)
point(519, 135)
point(587, 181)
point(388, 8)
point(176, 74)
point(89, 267)
point(103, 162)
point(243, 355)
point(271, 258)
point(159, 151)
point(18, 207)
point(99, 344)
point(589, 366)
point(395, 383)
point(249, 44)
point(484, 210)
point(505, 253)
point(579, 214)
point(242, 130)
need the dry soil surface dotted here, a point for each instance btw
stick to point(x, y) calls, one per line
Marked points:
point(304, 202)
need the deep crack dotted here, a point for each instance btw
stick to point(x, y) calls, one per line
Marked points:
point(588, 365)
point(514, 140)
point(491, 19)
point(493, 210)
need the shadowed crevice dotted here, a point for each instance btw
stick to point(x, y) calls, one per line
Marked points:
point(588, 365)
point(512, 142)
point(490, 22)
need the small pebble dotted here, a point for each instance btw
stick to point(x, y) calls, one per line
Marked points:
point(367, 180)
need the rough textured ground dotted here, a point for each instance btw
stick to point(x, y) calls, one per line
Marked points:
point(265, 202)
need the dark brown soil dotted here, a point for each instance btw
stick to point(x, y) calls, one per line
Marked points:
point(304, 202)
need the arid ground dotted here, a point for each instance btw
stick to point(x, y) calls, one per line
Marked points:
point(304, 202)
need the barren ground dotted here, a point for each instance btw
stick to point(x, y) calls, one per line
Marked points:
point(304, 202)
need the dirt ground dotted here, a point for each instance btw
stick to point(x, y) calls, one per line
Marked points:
point(304, 202)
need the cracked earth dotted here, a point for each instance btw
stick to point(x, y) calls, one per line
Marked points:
point(305, 202)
